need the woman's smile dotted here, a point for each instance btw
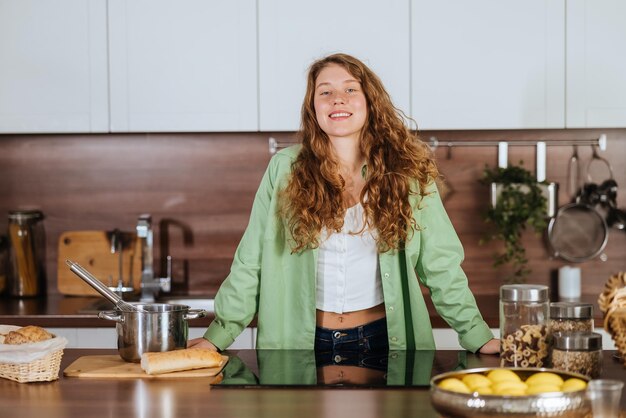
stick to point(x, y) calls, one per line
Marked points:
point(340, 104)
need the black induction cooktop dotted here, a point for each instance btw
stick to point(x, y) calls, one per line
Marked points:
point(293, 368)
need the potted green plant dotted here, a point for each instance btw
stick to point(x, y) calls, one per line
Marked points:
point(518, 201)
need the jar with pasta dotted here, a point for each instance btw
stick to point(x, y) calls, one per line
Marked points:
point(571, 317)
point(26, 273)
point(524, 327)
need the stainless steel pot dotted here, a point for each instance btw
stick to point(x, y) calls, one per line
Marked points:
point(157, 327)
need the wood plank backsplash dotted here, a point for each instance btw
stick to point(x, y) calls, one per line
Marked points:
point(199, 189)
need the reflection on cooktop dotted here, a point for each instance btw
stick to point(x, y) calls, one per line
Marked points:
point(340, 368)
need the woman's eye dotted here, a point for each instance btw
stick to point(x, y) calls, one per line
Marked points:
point(324, 93)
point(350, 90)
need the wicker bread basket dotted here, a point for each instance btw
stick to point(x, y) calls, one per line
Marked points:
point(31, 362)
point(612, 303)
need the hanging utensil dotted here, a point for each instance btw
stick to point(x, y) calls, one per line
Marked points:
point(595, 157)
point(573, 174)
point(550, 189)
point(615, 217)
point(102, 288)
point(577, 233)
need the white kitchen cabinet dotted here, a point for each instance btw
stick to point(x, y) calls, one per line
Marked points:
point(488, 64)
point(188, 65)
point(53, 66)
point(596, 64)
point(293, 34)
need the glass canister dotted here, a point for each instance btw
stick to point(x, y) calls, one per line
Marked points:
point(27, 244)
point(571, 317)
point(577, 352)
point(4, 255)
point(524, 316)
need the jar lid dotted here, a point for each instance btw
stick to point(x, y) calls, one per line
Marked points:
point(587, 341)
point(25, 215)
point(571, 310)
point(523, 293)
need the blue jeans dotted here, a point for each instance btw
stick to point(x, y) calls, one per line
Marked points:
point(364, 346)
point(368, 337)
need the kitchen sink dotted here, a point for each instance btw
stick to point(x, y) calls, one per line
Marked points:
point(194, 302)
point(97, 306)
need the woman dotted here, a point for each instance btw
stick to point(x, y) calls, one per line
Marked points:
point(339, 228)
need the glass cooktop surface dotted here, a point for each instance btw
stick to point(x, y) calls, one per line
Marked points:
point(287, 368)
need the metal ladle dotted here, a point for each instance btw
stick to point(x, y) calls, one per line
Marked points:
point(101, 288)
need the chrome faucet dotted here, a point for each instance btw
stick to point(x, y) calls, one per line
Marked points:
point(117, 247)
point(150, 285)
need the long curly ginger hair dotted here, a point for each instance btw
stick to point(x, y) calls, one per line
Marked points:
point(396, 159)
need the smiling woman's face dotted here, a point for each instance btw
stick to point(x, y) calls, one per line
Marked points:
point(340, 104)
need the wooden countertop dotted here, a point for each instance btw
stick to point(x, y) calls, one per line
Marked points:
point(68, 311)
point(121, 398)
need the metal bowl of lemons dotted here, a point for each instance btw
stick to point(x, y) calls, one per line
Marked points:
point(518, 392)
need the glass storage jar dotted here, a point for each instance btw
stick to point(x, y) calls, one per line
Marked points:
point(524, 315)
point(4, 255)
point(577, 352)
point(27, 245)
point(571, 317)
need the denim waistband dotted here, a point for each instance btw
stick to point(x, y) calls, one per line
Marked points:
point(370, 329)
point(366, 338)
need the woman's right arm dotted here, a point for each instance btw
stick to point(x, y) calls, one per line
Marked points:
point(201, 342)
point(236, 302)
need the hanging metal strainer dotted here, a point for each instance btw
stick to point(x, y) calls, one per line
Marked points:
point(578, 232)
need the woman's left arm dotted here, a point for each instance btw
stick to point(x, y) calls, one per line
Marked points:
point(491, 347)
point(438, 266)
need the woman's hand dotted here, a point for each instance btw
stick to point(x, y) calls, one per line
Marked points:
point(491, 347)
point(201, 343)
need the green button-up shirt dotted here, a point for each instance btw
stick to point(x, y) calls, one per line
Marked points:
point(279, 287)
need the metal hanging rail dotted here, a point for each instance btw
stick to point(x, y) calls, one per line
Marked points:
point(599, 142)
point(434, 143)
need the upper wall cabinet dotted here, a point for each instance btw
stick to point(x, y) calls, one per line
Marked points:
point(293, 34)
point(596, 63)
point(183, 66)
point(53, 66)
point(488, 64)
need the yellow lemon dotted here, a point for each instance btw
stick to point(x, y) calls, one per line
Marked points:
point(505, 387)
point(476, 380)
point(500, 375)
point(510, 392)
point(573, 384)
point(544, 378)
point(453, 384)
point(535, 389)
point(484, 390)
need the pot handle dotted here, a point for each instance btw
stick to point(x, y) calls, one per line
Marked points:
point(111, 316)
point(195, 313)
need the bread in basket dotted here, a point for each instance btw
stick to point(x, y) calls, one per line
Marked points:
point(30, 354)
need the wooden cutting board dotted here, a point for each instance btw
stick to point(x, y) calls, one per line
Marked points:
point(113, 367)
point(92, 250)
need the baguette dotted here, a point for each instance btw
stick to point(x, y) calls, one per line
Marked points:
point(178, 360)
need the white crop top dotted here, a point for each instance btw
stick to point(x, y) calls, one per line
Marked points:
point(348, 275)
